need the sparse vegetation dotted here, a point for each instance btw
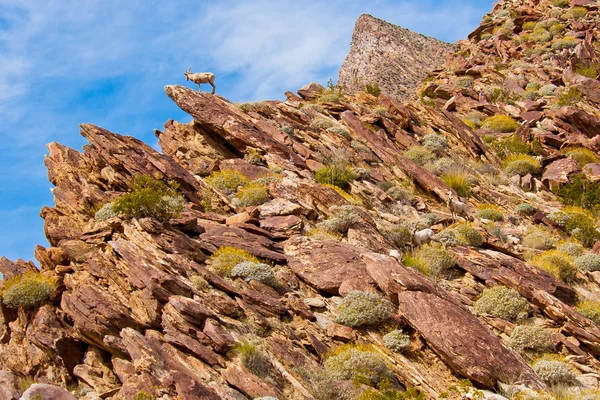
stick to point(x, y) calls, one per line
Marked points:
point(259, 107)
point(225, 258)
point(575, 12)
point(28, 290)
point(588, 262)
point(569, 97)
point(396, 341)
point(419, 155)
point(508, 146)
point(556, 263)
point(560, 3)
point(590, 309)
point(105, 212)
point(321, 123)
point(340, 220)
point(228, 181)
point(459, 180)
point(340, 130)
point(547, 90)
point(435, 143)
point(581, 155)
point(253, 356)
point(151, 198)
point(359, 363)
point(254, 194)
point(338, 174)
point(571, 248)
point(566, 42)
point(431, 261)
point(554, 372)
point(580, 192)
point(521, 164)
point(500, 123)
point(531, 338)
point(333, 94)
point(490, 212)
point(538, 241)
point(503, 302)
point(362, 308)
point(464, 82)
point(589, 71)
point(400, 235)
point(249, 270)
point(579, 223)
point(540, 35)
point(467, 235)
point(373, 89)
point(525, 209)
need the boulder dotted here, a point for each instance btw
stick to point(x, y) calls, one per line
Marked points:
point(42, 391)
point(558, 172)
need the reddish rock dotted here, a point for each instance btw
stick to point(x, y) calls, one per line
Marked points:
point(311, 91)
point(282, 227)
point(341, 332)
point(582, 122)
point(9, 386)
point(245, 168)
point(592, 171)
point(248, 383)
point(42, 391)
point(559, 172)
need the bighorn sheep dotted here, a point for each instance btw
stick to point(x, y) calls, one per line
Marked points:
point(396, 254)
point(201, 77)
point(456, 207)
point(422, 236)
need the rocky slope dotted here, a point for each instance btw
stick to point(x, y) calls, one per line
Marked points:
point(143, 308)
point(391, 57)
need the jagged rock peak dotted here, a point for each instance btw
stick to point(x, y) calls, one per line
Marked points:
point(394, 58)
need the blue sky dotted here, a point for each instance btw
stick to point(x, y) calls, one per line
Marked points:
point(106, 62)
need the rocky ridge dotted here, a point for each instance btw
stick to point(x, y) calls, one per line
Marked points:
point(391, 57)
point(140, 310)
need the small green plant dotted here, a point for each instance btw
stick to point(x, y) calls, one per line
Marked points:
point(468, 236)
point(397, 341)
point(493, 93)
point(321, 123)
point(580, 192)
point(400, 235)
point(556, 263)
point(569, 97)
point(373, 89)
point(490, 212)
point(531, 338)
point(579, 223)
point(340, 130)
point(359, 363)
point(509, 146)
point(500, 123)
point(419, 155)
point(288, 130)
point(547, 90)
point(590, 309)
point(503, 302)
point(353, 200)
point(333, 94)
point(589, 71)
point(560, 3)
point(259, 107)
point(105, 212)
point(554, 373)
point(521, 164)
point(464, 82)
point(340, 220)
point(150, 197)
point(581, 155)
point(253, 194)
point(435, 143)
point(227, 181)
point(459, 180)
point(540, 35)
point(567, 42)
point(249, 271)
point(338, 174)
point(525, 209)
point(575, 13)
point(431, 261)
point(571, 248)
point(588, 262)
point(144, 396)
point(538, 241)
point(226, 258)
point(28, 290)
point(254, 157)
point(380, 111)
point(253, 356)
point(361, 308)
point(386, 391)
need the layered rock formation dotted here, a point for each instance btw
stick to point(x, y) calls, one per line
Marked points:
point(140, 309)
point(391, 57)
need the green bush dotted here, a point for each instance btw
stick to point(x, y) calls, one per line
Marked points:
point(571, 248)
point(373, 89)
point(568, 42)
point(468, 236)
point(538, 241)
point(362, 308)
point(142, 396)
point(253, 356)
point(386, 391)
point(588, 262)
point(529, 25)
point(560, 3)
point(493, 93)
point(490, 212)
point(333, 94)
point(508, 146)
point(435, 143)
point(105, 212)
point(227, 181)
point(28, 290)
point(442, 165)
point(540, 35)
point(503, 302)
point(459, 180)
point(547, 90)
point(249, 271)
point(580, 192)
point(525, 209)
point(464, 82)
point(419, 155)
point(396, 341)
point(521, 164)
point(226, 258)
point(529, 338)
point(253, 194)
point(579, 223)
point(575, 13)
point(400, 235)
point(358, 363)
point(341, 219)
point(589, 71)
point(430, 261)
point(321, 123)
point(259, 107)
point(337, 175)
point(380, 111)
point(500, 123)
point(150, 198)
point(554, 373)
point(590, 309)
point(569, 97)
point(556, 263)
point(254, 157)
point(340, 130)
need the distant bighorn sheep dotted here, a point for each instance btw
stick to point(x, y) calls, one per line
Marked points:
point(201, 77)
point(456, 207)
point(422, 236)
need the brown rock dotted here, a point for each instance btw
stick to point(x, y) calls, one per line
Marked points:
point(582, 122)
point(279, 207)
point(42, 391)
point(559, 171)
point(248, 383)
point(311, 91)
point(245, 168)
point(9, 386)
point(282, 227)
point(341, 332)
point(592, 171)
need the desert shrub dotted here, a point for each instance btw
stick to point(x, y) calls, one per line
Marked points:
point(590, 309)
point(340, 220)
point(253, 194)
point(556, 263)
point(430, 261)
point(337, 174)
point(362, 308)
point(225, 258)
point(469, 123)
point(508, 146)
point(500, 123)
point(254, 157)
point(490, 212)
point(588, 262)
point(566, 42)
point(288, 130)
point(105, 212)
point(547, 90)
point(579, 223)
point(400, 235)
point(442, 165)
point(521, 164)
point(459, 180)
point(529, 25)
point(258, 106)
point(557, 28)
point(575, 12)
point(533, 85)
point(569, 97)
point(361, 173)
point(468, 236)
point(228, 181)
point(340, 130)
point(435, 143)
point(531, 95)
point(266, 398)
point(464, 82)
point(373, 89)
point(525, 209)
point(253, 356)
point(397, 193)
point(538, 241)
point(493, 93)
point(419, 155)
point(503, 302)
point(427, 220)
point(495, 230)
point(380, 110)
point(386, 391)
point(530, 338)
point(580, 192)
point(354, 200)
point(581, 155)
point(358, 363)
point(590, 71)
point(27, 290)
point(333, 93)
point(554, 372)
point(321, 123)
point(396, 341)
point(249, 270)
point(571, 248)
point(560, 3)
point(319, 234)
point(200, 283)
point(141, 395)
point(150, 198)
point(540, 35)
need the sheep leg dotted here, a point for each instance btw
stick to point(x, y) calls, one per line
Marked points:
point(213, 87)
point(198, 87)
